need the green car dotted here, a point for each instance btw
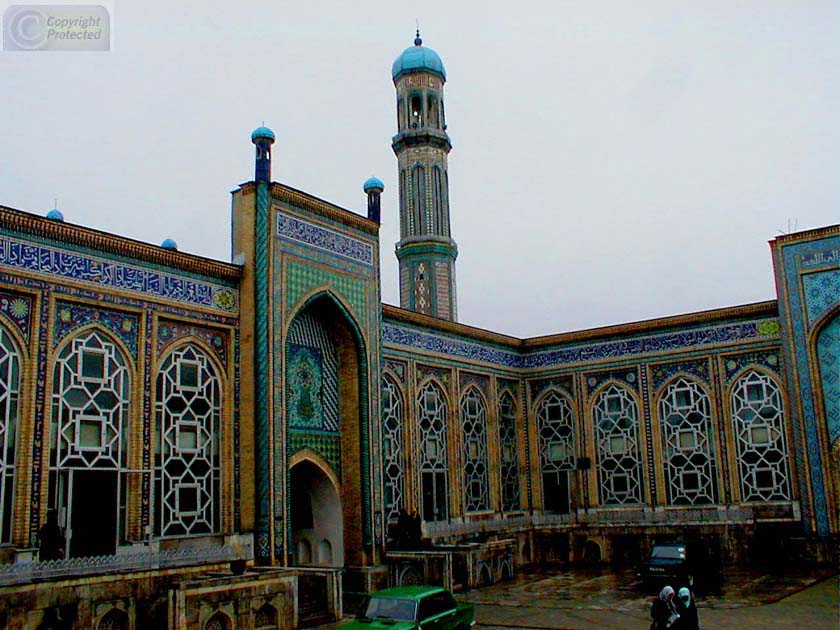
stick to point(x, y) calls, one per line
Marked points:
point(413, 607)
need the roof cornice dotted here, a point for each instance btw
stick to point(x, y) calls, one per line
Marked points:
point(30, 224)
point(757, 309)
point(808, 235)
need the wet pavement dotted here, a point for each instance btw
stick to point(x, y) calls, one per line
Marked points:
point(579, 599)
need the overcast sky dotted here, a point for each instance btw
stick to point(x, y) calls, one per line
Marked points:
point(612, 161)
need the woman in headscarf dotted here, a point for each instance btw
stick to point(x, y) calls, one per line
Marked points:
point(663, 613)
point(687, 609)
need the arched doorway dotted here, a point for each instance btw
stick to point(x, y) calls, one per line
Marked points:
point(326, 396)
point(317, 536)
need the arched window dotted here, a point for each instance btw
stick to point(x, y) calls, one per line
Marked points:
point(115, 619)
point(555, 420)
point(415, 111)
point(219, 621)
point(759, 424)
point(89, 442)
point(418, 205)
point(431, 412)
point(422, 297)
point(509, 454)
point(474, 430)
point(392, 449)
point(688, 444)
point(616, 418)
point(9, 399)
point(188, 410)
point(265, 618)
point(432, 108)
point(438, 209)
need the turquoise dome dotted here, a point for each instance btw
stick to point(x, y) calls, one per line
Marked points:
point(374, 183)
point(168, 243)
point(418, 57)
point(55, 215)
point(262, 132)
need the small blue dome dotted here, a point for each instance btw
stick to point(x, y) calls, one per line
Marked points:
point(262, 132)
point(168, 243)
point(418, 57)
point(374, 183)
point(55, 215)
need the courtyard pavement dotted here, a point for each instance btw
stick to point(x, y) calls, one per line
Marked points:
point(579, 600)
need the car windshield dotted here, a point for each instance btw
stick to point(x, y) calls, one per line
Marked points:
point(673, 553)
point(390, 608)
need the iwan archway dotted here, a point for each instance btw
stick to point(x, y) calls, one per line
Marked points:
point(328, 497)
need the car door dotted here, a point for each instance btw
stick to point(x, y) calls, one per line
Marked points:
point(437, 612)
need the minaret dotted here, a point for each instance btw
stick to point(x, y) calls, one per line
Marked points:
point(426, 250)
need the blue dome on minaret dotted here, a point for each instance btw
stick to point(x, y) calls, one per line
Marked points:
point(373, 183)
point(418, 57)
point(262, 132)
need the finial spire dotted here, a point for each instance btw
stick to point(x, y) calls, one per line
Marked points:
point(417, 40)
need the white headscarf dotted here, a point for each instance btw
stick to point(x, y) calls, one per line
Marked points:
point(666, 593)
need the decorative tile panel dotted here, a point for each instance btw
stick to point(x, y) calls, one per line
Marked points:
point(666, 371)
point(629, 377)
point(327, 446)
point(319, 237)
point(580, 353)
point(69, 317)
point(769, 359)
point(822, 291)
point(301, 279)
point(828, 354)
point(824, 257)
point(18, 308)
point(564, 383)
point(479, 380)
point(61, 263)
point(397, 367)
point(169, 332)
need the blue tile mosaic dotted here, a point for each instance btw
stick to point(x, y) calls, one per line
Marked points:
point(18, 308)
point(52, 261)
point(822, 291)
point(301, 231)
point(580, 353)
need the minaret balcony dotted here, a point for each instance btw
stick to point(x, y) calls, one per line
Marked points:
point(424, 136)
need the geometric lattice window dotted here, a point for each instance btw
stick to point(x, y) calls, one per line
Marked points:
point(617, 434)
point(188, 414)
point(432, 416)
point(116, 619)
point(510, 459)
point(265, 618)
point(758, 421)
point(219, 621)
point(392, 449)
point(688, 444)
point(90, 405)
point(557, 436)
point(9, 398)
point(474, 428)
point(555, 423)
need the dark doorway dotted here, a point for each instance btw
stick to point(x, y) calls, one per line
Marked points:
point(93, 522)
point(556, 492)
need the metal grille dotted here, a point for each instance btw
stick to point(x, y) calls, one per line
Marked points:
point(219, 621)
point(619, 464)
point(90, 405)
point(392, 449)
point(9, 396)
point(557, 436)
point(187, 464)
point(758, 422)
point(474, 428)
point(688, 444)
point(509, 455)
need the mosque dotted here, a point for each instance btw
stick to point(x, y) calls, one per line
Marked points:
point(196, 444)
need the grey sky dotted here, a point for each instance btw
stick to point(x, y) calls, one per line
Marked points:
point(612, 161)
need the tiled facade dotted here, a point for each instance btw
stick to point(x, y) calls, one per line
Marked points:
point(230, 445)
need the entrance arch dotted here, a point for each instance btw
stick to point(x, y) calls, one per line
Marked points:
point(317, 532)
point(326, 381)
